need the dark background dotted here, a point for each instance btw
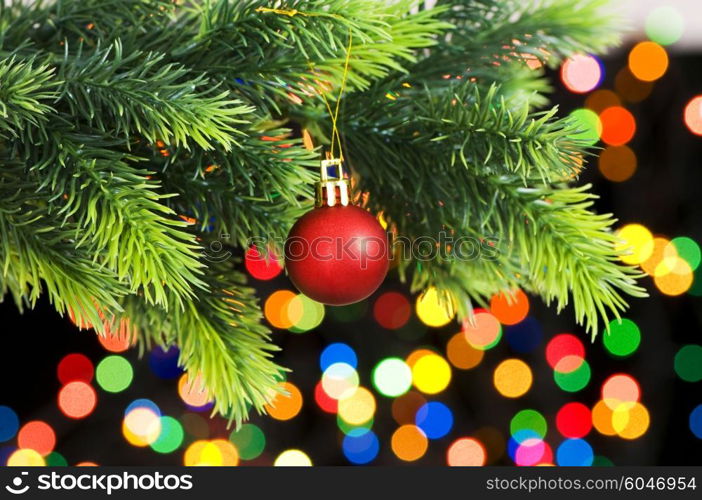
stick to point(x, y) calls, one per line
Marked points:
point(664, 194)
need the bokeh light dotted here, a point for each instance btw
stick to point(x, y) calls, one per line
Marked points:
point(648, 61)
point(142, 424)
point(693, 115)
point(512, 378)
point(574, 420)
point(462, 354)
point(620, 389)
point(618, 126)
point(77, 399)
point(434, 309)
point(392, 377)
point(338, 353)
point(602, 99)
point(574, 452)
point(26, 458)
point(510, 308)
point(435, 419)
point(696, 421)
point(171, 436)
point(630, 421)
point(525, 336)
point(576, 380)
point(293, 458)
point(528, 424)
point(581, 73)
point(38, 436)
point(250, 440)
point(431, 373)
point(565, 353)
point(285, 406)
point(465, 452)
point(622, 337)
point(9, 423)
point(588, 125)
point(630, 88)
point(636, 243)
point(262, 267)
point(192, 391)
point(215, 453)
point(665, 25)
point(358, 407)
point(687, 249)
point(304, 313)
point(165, 363)
point(483, 331)
point(276, 309)
point(688, 363)
point(617, 163)
point(409, 443)
point(114, 374)
point(392, 310)
point(404, 408)
point(75, 366)
point(360, 446)
point(339, 380)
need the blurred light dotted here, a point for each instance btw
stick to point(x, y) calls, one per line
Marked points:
point(75, 367)
point(77, 399)
point(618, 126)
point(337, 353)
point(142, 424)
point(465, 452)
point(285, 407)
point(358, 407)
point(392, 377)
point(636, 245)
point(326, 403)
point(620, 388)
point(346, 427)
point(630, 421)
point(617, 163)
point(688, 363)
point(276, 309)
point(193, 392)
point(575, 380)
point(574, 420)
point(409, 443)
point(114, 374)
point(493, 441)
point(215, 453)
point(693, 115)
point(648, 61)
point(660, 249)
point(349, 313)
point(510, 308)
point(392, 310)
point(696, 421)
point(528, 424)
point(665, 25)
point(249, 440)
point(262, 267)
point(55, 459)
point(360, 446)
point(38, 436)
point(673, 276)
point(435, 419)
point(404, 408)
point(688, 250)
point(512, 378)
point(195, 425)
point(525, 336)
point(339, 380)
point(532, 451)
point(293, 458)
point(26, 458)
point(165, 363)
point(600, 100)
point(308, 313)
point(462, 354)
point(602, 418)
point(484, 331)
point(433, 309)
point(9, 423)
point(171, 436)
point(565, 353)
point(118, 341)
point(86, 464)
point(622, 337)
point(431, 374)
point(630, 88)
point(581, 73)
point(588, 125)
point(574, 452)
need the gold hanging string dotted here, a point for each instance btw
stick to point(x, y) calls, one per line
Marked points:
point(334, 115)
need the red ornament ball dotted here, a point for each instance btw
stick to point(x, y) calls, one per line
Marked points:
point(337, 255)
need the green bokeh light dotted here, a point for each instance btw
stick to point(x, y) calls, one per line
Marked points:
point(575, 380)
point(688, 363)
point(688, 250)
point(171, 436)
point(623, 337)
point(312, 314)
point(55, 459)
point(346, 427)
point(392, 377)
point(589, 125)
point(529, 420)
point(249, 440)
point(114, 374)
point(665, 25)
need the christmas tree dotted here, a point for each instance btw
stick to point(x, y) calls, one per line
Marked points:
point(136, 135)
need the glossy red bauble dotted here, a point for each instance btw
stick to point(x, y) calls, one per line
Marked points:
point(337, 255)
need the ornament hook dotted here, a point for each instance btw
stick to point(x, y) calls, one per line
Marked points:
point(333, 188)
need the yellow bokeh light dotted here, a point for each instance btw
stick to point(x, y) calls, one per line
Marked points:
point(636, 245)
point(631, 422)
point(431, 374)
point(26, 457)
point(512, 378)
point(434, 309)
point(358, 408)
point(293, 458)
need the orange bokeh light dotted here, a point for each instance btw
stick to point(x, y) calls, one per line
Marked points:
point(693, 115)
point(648, 61)
point(409, 443)
point(617, 163)
point(618, 126)
point(510, 308)
point(77, 399)
point(38, 436)
point(285, 407)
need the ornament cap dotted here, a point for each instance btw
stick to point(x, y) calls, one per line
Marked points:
point(333, 187)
